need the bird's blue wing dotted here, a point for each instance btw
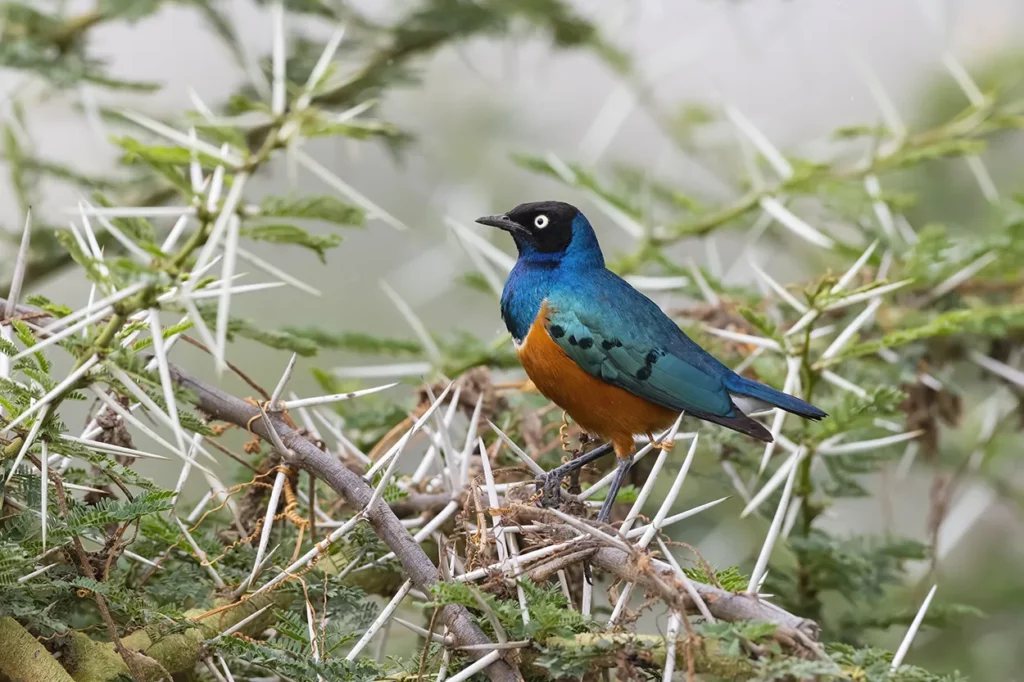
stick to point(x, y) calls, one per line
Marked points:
point(620, 336)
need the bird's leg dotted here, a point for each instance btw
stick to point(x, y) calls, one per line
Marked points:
point(613, 491)
point(552, 481)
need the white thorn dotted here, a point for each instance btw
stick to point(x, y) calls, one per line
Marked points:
point(776, 526)
point(337, 397)
point(908, 639)
point(868, 445)
point(429, 345)
point(217, 580)
point(779, 290)
point(476, 667)
point(848, 276)
point(347, 190)
point(181, 138)
point(799, 227)
point(57, 390)
point(847, 334)
point(385, 614)
point(867, 295)
point(278, 59)
point(774, 482)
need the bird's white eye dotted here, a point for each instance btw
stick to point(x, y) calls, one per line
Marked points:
point(540, 222)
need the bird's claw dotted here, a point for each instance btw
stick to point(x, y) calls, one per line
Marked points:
point(549, 486)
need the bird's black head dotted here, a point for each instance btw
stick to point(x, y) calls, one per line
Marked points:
point(545, 226)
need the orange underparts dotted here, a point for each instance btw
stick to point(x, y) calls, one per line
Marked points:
point(600, 408)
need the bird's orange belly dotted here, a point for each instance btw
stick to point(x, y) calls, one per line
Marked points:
point(598, 407)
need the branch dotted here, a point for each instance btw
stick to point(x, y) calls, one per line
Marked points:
point(26, 659)
point(357, 492)
point(661, 578)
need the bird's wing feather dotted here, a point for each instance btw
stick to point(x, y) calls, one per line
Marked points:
point(620, 336)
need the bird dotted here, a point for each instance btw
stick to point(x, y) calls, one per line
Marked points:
point(604, 352)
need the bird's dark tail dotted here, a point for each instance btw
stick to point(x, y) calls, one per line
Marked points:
point(749, 388)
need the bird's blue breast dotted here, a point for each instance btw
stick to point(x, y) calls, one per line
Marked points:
point(525, 290)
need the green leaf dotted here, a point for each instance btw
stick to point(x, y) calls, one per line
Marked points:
point(986, 320)
point(290, 234)
point(313, 207)
point(356, 342)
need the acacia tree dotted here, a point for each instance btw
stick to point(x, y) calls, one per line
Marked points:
point(276, 570)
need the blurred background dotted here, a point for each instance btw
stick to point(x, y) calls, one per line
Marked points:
point(797, 69)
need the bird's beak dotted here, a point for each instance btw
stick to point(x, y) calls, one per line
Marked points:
point(501, 222)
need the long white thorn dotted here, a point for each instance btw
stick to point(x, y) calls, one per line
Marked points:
point(961, 275)
point(181, 138)
point(186, 467)
point(63, 334)
point(847, 334)
point(140, 254)
point(761, 141)
point(868, 445)
point(676, 518)
point(111, 448)
point(316, 551)
point(337, 397)
point(224, 306)
point(908, 639)
point(135, 421)
point(268, 521)
point(154, 409)
point(225, 216)
point(347, 190)
point(996, 367)
point(379, 622)
point(160, 351)
point(776, 526)
point(217, 580)
point(57, 390)
point(774, 482)
point(44, 488)
point(710, 297)
point(779, 290)
point(102, 304)
point(20, 266)
point(836, 380)
point(467, 450)
point(849, 275)
point(241, 624)
point(670, 498)
point(272, 269)
point(278, 57)
point(759, 341)
point(283, 381)
point(429, 345)
point(687, 583)
point(867, 295)
point(796, 225)
point(517, 451)
point(474, 668)
point(652, 478)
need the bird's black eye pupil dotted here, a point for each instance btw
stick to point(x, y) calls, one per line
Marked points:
point(541, 221)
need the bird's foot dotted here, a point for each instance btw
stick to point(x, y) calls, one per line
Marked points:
point(665, 445)
point(549, 485)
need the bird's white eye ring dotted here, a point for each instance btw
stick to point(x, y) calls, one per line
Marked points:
point(540, 222)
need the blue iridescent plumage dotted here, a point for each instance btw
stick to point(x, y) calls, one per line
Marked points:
point(612, 331)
